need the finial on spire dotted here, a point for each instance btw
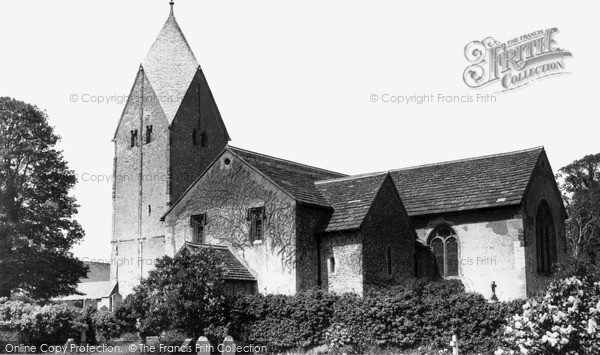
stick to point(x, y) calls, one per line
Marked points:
point(171, 3)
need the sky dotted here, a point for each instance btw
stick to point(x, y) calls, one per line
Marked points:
point(309, 81)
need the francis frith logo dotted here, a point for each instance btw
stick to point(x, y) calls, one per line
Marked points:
point(514, 63)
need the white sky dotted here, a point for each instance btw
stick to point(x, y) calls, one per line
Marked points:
point(294, 80)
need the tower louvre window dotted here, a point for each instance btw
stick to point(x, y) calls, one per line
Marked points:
point(203, 140)
point(148, 134)
point(195, 137)
point(133, 138)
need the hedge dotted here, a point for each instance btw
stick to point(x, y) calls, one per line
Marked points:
point(409, 316)
point(41, 323)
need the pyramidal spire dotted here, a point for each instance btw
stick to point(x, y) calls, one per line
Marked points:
point(170, 66)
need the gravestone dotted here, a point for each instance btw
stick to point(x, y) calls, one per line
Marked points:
point(203, 346)
point(228, 346)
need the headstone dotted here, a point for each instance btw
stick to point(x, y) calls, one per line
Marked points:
point(68, 345)
point(454, 345)
point(203, 346)
point(228, 346)
point(187, 346)
point(153, 341)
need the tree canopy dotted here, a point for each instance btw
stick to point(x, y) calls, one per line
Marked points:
point(580, 183)
point(37, 228)
point(184, 293)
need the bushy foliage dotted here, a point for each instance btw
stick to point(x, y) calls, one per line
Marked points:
point(580, 267)
point(408, 316)
point(41, 324)
point(126, 315)
point(106, 326)
point(182, 293)
point(282, 322)
point(564, 321)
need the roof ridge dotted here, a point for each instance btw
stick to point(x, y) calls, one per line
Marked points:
point(286, 160)
point(469, 159)
point(351, 177)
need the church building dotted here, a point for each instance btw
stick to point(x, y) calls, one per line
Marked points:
point(283, 227)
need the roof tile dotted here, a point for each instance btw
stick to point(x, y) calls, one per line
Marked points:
point(466, 184)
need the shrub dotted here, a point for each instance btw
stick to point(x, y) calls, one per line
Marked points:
point(126, 315)
point(41, 324)
point(106, 326)
point(408, 316)
point(282, 322)
point(578, 267)
point(563, 321)
point(86, 316)
point(182, 293)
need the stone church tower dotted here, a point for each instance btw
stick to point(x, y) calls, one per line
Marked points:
point(168, 133)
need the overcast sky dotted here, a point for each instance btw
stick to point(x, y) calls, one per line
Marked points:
point(295, 80)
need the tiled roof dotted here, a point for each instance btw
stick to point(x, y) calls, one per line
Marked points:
point(98, 271)
point(294, 178)
point(482, 182)
point(351, 198)
point(170, 66)
point(92, 290)
point(234, 269)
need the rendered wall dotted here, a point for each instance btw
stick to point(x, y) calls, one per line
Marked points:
point(224, 194)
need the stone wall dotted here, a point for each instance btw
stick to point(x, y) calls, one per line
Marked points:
point(307, 220)
point(489, 249)
point(198, 112)
point(149, 176)
point(387, 226)
point(542, 188)
point(225, 193)
point(347, 251)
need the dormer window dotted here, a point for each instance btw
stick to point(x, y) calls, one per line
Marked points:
point(148, 134)
point(256, 217)
point(133, 138)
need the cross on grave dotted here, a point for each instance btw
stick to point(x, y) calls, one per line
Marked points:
point(493, 286)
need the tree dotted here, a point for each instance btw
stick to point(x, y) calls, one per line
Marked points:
point(183, 293)
point(37, 229)
point(580, 183)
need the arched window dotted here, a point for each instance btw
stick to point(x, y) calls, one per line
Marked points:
point(444, 244)
point(545, 238)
